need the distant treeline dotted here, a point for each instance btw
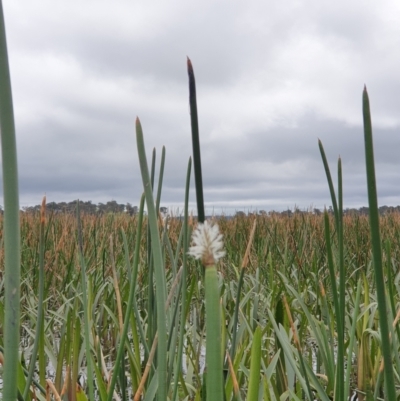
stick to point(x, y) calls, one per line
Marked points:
point(347, 212)
point(86, 207)
point(114, 207)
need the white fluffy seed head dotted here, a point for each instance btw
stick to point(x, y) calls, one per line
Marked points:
point(207, 244)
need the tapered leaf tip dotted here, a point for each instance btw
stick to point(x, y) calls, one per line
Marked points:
point(365, 96)
point(189, 66)
point(137, 121)
point(43, 210)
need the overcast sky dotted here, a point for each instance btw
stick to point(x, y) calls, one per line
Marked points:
point(272, 77)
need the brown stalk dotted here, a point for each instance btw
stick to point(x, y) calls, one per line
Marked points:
point(295, 338)
point(116, 287)
point(249, 244)
point(233, 375)
point(50, 387)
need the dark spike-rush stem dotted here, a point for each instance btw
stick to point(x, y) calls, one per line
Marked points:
point(376, 248)
point(196, 143)
point(11, 224)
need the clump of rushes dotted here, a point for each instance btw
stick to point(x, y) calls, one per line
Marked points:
point(208, 247)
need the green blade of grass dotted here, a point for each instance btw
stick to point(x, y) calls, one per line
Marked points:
point(86, 317)
point(339, 384)
point(255, 366)
point(178, 366)
point(158, 267)
point(330, 183)
point(124, 333)
point(376, 248)
point(213, 335)
point(11, 236)
point(40, 300)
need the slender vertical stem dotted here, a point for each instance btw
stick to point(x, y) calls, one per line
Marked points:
point(196, 143)
point(11, 223)
point(213, 336)
point(339, 390)
point(158, 267)
point(39, 323)
point(121, 346)
point(178, 366)
point(330, 183)
point(376, 249)
point(255, 366)
point(86, 315)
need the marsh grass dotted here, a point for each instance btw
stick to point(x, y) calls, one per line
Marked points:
point(272, 271)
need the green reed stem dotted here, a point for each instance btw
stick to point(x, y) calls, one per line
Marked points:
point(236, 314)
point(86, 317)
point(25, 373)
point(124, 333)
point(213, 336)
point(160, 180)
point(339, 303)
point(336, 298)
point(330, 183)
point(255, 366)
point(352, 338)
point(39, 321)
point(158, 267)
point(151, 330)
point(376, 249)
point(178, 366)
point(196, 144)
point(12, 240)
point(339, 388)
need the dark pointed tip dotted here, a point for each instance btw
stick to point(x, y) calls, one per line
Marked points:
point(137, 120)
point(365, 94)
point(189, 66)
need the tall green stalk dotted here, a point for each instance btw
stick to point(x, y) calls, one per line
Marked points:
point(178, 366)
point(208, 247)
point(339, 385)
point(338, 297)
point(196, 144)
point(213, 336)
point(11, 223)
point(330, 183)
point(255, 366)
point(158, 267)
point(40, 317)
point(376, 249)
point(86, 316)
point(132, 288)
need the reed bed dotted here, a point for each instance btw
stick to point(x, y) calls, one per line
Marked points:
point(285, 301)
